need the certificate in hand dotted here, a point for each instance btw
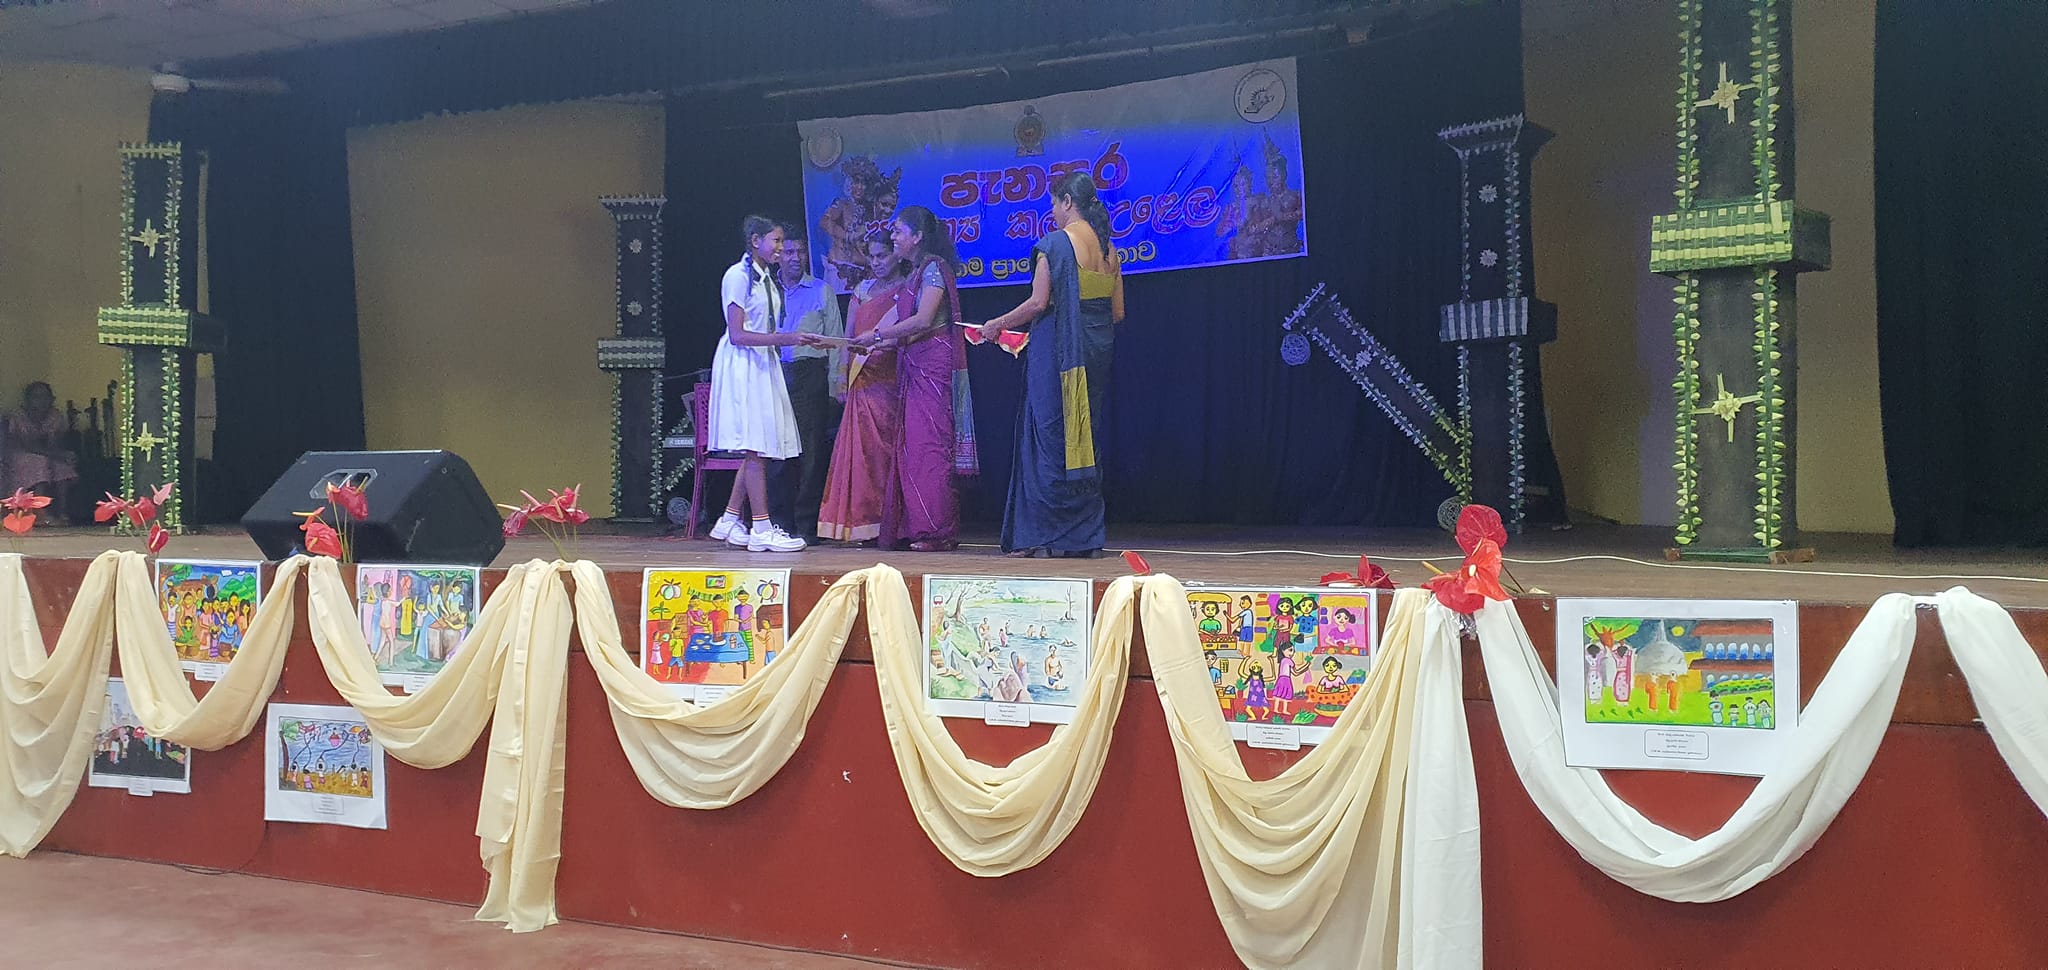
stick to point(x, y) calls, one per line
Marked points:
point(1010, 340)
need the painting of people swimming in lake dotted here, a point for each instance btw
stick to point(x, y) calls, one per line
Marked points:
point(991, 640)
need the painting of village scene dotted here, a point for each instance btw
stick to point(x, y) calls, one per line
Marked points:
point(1677, 685)
point(711, 627)
point(207, 606)
point(1285, 656)
point(1006, 641)
point(1680, 670)
point(415, 618)
point(126, 755)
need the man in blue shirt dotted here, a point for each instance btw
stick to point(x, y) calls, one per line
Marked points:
point(816, 378)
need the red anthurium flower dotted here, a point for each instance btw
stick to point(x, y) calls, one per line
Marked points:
point(1450, 590)
point(1482, 570)
point(564, 505)
point(1476, 580)
point(349, 499)
point(109, 509)
point(19, 522)
point(1139, 566)
point(162, 494)
point(1477, 523)
point(24, 500)
point(321, 539)
point(142, 511)
point(516, 522)
point(1369, 576)
point(157, 539)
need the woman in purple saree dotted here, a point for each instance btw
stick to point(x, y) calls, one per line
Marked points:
point(920, 506)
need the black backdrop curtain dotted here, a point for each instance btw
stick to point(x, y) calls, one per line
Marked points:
point(281, 275)
point(1206, 423)
point(1961, 131)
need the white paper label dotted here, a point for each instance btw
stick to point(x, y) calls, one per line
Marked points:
point(328, 805)
point(209, 673)
point(709, 694)
point(414, 683)
point(1278, 737)
point(1006, 715)
point(140, 789)
point(1684, 745)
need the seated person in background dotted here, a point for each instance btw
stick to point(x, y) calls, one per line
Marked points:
point(32, 452)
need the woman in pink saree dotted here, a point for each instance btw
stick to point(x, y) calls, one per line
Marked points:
point(864, 455)
point(920, 506)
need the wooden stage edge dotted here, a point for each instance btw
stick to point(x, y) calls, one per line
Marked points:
point(1607, 562)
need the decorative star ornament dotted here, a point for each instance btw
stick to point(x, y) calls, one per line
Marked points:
point(1726, 94)
point(1726, 406)
point(146, 441)
point(150, 237)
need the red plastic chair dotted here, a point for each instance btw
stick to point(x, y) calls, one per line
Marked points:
point(706, 459)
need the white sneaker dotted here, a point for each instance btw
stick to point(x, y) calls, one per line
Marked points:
point(771, 538)
point(726, 524)
point(740, 537)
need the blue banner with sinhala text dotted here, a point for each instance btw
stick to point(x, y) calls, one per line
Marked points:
point(1195, 170)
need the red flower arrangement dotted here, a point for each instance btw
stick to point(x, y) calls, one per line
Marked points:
point(560, 509)
point(1369, 576)
point(337, 541)
point(142, 510)
point(1482, 535)
point(21, 512)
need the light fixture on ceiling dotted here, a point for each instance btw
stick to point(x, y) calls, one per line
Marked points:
point(170, 79)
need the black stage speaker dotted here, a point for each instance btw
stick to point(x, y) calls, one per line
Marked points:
point(425, 507)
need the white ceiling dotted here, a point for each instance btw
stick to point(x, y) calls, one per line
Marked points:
point(146, 33)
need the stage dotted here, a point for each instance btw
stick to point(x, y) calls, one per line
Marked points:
point(780, 869)
point(1596, 560)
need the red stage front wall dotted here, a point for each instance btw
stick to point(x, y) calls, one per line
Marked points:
point(1935, 861)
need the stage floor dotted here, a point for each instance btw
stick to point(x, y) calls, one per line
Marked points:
point(1586, 561)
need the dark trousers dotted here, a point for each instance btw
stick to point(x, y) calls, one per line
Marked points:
point(796, 487)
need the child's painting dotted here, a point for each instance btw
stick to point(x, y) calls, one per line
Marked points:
point(711, 627)
point(208, 607)
point(1290, 656)
point(124, 755)
point(1017, 642)
point(322, 766)
point(1683, 685)
point(415, 617)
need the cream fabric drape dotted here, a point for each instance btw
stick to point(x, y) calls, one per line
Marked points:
point(2007, 683)
point(1440, 898)
point(50, 700)
point(1365, 853)
point(1307, 869)
point(688, 756)
point(1838, 733)
point(512, 672)
point(994, 821)
point(157, 688)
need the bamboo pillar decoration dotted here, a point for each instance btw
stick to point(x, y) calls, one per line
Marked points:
point(1735, 246)
point(635, 358)
point(156, 325)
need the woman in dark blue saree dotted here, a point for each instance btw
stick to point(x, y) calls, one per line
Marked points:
point(1077, 298)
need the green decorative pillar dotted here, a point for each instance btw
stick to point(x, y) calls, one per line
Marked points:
point(635, 358)
point(156, 325)
point(1735, 246)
